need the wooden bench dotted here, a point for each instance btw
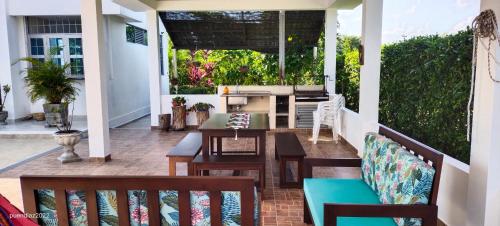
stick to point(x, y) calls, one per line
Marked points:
point(184, 151)
point(288, 148)
point(355, 201)
point(233, 162)
point(98, 200)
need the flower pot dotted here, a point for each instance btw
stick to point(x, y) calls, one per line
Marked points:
point(39, 116)
point(179, 118)
point(202, 116)
point(55, 114)
point(68, 140)
point(3, 117)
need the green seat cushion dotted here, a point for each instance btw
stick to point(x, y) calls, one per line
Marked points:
point(319, 191)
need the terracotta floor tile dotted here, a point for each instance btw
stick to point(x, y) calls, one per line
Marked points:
point(142, 152)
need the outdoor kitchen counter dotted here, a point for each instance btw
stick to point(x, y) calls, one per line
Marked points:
point(247, 94)
point(277, 101)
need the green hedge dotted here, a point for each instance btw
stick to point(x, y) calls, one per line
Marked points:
point(424, 90)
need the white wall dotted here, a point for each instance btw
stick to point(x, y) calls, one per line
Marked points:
point(191, 99)
point(128, 86)
point(452, 196)
point(17, 103)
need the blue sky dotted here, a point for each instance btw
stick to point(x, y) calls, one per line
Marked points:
point(414, 18)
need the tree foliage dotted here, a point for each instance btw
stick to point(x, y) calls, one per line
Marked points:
point(263, 68)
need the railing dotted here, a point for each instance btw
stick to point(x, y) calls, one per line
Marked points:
point(152, 185)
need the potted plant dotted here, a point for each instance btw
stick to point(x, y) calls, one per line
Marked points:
point(202, 111)
point(68, 138)
point(49, 81)
point(3, 114)
point(179, 113)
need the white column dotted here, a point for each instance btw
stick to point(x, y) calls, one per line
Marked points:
point(370, 72)
point(282, 43)
point(330, 48)
point(5, 56)
point(154, 66)
point(95, 79)
point(483, 199)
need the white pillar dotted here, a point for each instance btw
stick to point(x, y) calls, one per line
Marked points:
point(330, 49)
point(282, 44)
point(154, 66)
point(483, 199)
point(370, 72)
point(95, 79)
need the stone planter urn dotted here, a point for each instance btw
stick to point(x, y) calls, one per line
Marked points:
point(68, 139)
point(179, 118)
point(55, 114)
point(202, 116)
point(3, 117)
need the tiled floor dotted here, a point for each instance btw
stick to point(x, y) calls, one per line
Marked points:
point(32, 127)
point(141, 152)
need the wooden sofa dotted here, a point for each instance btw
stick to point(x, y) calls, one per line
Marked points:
point(140, 200)
point(398, 186)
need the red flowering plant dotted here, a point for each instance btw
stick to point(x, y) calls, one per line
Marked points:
point(200, 73)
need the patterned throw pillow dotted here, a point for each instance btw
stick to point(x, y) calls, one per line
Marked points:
point(396, 175)
point(408, 181)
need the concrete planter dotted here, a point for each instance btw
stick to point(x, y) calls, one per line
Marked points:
point(55, 114)
point(3, 117)
point(68, 140)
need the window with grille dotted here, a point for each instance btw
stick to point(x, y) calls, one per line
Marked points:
point(54, 24)
point(136, 35)
point(59, 37)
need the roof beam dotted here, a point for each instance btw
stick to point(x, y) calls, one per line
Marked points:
point(245, 5)
point(137, 5)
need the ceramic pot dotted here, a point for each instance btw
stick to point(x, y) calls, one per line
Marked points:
point(55, 114)
point(3, 117)
point(68, 140)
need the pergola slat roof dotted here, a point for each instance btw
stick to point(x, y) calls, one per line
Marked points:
point(255, 30)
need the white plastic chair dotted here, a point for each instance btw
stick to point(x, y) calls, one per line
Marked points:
point(328, 113)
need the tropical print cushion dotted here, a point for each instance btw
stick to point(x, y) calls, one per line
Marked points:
point(138, 210)
point(408, 181)
point(378, 151)
point(396, 175)
point(47, 207)
point(77, 208)
point(169, 207)
point(108, 207)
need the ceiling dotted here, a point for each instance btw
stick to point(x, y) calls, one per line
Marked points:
point(255, 30)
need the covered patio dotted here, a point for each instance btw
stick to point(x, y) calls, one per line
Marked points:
point(468, 195)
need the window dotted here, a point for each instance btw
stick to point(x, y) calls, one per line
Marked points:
point(59, 37)
point(54, 25)
point(136, 35)
point(56, 50)
point(76, 56)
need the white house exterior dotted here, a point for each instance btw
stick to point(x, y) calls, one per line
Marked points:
point(32, 27)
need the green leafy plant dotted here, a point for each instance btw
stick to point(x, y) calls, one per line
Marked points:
point(5, 90)
point(424, 87)
point(49, 81)
point(200, 106)
point(178, 101)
